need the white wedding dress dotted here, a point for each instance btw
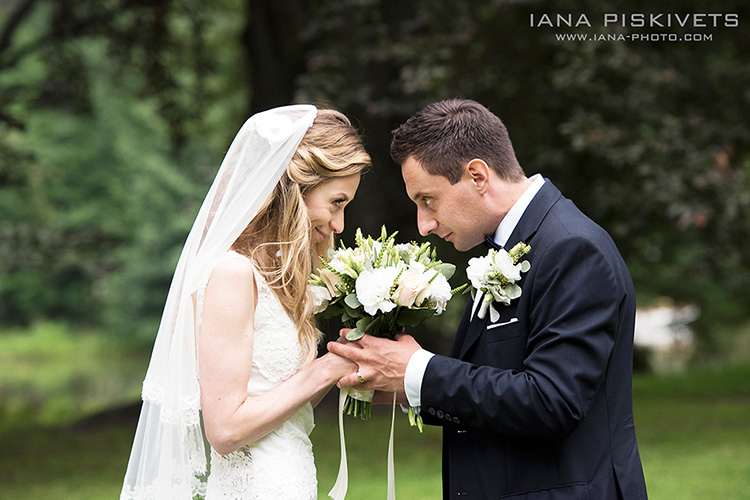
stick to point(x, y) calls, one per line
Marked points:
point(279, 466)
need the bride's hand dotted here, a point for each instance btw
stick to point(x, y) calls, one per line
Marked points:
point(338, 366)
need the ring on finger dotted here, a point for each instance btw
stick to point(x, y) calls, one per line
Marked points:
point(360, 377)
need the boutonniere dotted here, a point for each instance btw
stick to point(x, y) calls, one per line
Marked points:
point(497, 274)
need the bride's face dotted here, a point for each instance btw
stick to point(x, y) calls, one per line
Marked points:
point(325, 205)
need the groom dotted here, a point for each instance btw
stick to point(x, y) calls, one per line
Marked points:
point(538, 403)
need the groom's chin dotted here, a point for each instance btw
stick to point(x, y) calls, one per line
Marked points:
point(463, 246)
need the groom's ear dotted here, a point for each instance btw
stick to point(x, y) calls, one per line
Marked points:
point(479, 173)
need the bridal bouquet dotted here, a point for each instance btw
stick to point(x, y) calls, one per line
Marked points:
point(377, 288)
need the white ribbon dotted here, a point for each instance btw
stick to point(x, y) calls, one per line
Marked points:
point(338, 492)
point(391, 468)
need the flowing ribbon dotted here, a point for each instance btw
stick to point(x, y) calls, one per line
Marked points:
point(338, 492)
point(391, 467)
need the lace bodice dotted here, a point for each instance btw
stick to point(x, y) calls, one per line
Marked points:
point(280, 465)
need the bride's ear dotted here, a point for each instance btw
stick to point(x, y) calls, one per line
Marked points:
point(479, 172)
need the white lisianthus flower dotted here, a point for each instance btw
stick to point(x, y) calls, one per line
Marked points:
point(319, 296)
point(373, 289)
point(502, 263)
point(439, 292)
point(344, 262)
point(407, 250)
point(411, 284)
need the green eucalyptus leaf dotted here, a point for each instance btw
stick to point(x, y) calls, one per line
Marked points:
point(331, 311)
point(355, 334)
point(413, 317)
point(352, 301)
point(363, 323)
point(446, 270)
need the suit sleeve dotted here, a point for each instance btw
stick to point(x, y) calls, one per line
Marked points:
point(574, 302)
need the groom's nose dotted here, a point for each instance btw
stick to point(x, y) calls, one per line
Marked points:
point(425, 223)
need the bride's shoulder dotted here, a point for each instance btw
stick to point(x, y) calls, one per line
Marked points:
point(234, 272)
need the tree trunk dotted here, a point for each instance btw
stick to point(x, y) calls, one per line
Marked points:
point(274, 52)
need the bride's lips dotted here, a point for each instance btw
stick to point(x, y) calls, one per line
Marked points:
point(320, 234)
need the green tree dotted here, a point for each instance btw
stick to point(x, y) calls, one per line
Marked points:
point(648, 138)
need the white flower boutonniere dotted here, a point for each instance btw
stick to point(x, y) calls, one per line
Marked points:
point(497, 274)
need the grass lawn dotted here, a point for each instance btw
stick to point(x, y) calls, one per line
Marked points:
point(694, 434)
point(693, 430)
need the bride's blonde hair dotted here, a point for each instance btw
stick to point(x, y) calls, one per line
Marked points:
point(278, 240)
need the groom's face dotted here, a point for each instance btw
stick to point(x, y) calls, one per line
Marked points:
point(448, 210)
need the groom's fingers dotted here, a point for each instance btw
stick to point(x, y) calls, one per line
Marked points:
point(355, 352)
point(349, 350)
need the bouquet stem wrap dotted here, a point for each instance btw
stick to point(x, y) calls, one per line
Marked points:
point(358, 403)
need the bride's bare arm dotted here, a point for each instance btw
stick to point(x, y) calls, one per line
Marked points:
point(233, 419)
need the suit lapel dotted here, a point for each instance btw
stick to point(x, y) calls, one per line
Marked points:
point(473, 332)
point(461, 331)
point(472, 328)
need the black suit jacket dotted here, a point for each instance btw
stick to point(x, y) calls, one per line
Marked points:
point(539, 405)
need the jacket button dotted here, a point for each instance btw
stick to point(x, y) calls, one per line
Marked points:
point(439, 414)
point(431, 411)
point(448, 417)
point(456, 420)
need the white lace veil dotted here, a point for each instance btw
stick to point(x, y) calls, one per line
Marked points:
point(168, 460)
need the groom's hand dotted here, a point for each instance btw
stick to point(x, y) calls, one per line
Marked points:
point(382, 362)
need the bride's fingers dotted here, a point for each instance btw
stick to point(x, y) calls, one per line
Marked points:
point(350, 380)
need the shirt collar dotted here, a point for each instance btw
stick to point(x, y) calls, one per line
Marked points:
point(509, 222)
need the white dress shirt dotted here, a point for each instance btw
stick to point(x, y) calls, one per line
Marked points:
point(418, 362)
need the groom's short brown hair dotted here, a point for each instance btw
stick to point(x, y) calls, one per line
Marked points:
point(446, 135)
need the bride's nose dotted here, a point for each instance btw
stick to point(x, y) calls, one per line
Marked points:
point(337, 222)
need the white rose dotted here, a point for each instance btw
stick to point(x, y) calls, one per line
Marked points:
point(373, 289)
point(410, 285)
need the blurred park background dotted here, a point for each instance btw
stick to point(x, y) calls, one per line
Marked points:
point(114, 116)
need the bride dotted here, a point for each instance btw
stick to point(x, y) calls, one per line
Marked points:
point(235, 355)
